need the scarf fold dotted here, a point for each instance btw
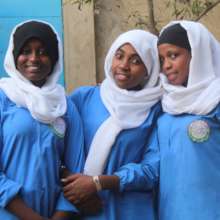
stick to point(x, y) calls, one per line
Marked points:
point(128, 109)
point(45, 104)
point(202, 93)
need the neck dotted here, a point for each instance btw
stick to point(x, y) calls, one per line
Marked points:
point(136, 88)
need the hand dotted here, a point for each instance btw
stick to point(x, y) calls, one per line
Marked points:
point(64, 215)
point(79, 188)
point(92, 206)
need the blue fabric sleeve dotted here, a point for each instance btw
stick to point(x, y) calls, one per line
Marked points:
point(142, 176)
point(74, 156)
point(64, 205)
point(75, 97)
point(8, 188)
point(79, 95)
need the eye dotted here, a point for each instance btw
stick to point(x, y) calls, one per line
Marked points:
point(136, 60)
point(173, 56)
point(25, 51)
point(42, 52)
point(118, 55)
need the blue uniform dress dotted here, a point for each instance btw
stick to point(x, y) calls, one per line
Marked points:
point(188, 166)
point(189, 170)
point(129, 147)
point(30, 157)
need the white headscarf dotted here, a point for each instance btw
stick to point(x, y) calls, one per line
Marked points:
point(46, 103)
point(128, 109)
point(202, 93)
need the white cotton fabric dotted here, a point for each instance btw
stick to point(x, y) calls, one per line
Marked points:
point(46, 103)
point(202, 93)
point(128, 109)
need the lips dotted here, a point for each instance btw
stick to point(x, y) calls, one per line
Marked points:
point(121, 76)
point(171, 76)
point(33, 68)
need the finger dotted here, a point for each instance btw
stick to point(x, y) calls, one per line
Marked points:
point(69, 187)
point(73, 177)
point(74, 200)
point(69, 193)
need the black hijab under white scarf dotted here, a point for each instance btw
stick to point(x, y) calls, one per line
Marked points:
point(45, 104)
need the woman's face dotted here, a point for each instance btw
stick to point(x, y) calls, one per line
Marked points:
point(127, 68)
point(33, 62)
point(175, 63)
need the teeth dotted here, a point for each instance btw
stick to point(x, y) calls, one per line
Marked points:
point(33, 67)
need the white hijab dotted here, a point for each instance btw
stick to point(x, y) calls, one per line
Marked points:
point(202, 93)
point(128, 109)
point(45, 104)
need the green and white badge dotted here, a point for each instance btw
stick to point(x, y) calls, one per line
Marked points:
point(59, 127)
point(199, 131)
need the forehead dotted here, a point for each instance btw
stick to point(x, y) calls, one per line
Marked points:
point(127, 48)
point(167, 48)
point(33, 41)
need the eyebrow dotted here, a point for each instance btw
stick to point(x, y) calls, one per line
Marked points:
point(123, 51)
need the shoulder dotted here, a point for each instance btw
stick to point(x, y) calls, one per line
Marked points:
point(83, 91)
point(3, 97)
point(71, 107)
point(81, 94)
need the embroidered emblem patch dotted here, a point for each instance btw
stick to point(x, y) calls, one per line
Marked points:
point(199, 131)
point(59, 127)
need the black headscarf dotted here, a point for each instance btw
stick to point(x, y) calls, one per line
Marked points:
point(39, 30)
point(176, 35)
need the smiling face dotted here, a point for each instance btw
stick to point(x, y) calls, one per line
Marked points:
point(175, 62)
point(127, 68)
point(33, 62)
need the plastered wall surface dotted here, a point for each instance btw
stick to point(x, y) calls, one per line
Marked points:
point(89, 33)
point(79, 46)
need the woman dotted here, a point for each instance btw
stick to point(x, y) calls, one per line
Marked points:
point(39, 127)
point(118, 117)
point(188, 131)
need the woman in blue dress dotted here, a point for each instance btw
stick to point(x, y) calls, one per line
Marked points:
point(40, 128)
point(188, 132)
point(118, 117)
point(183, 156)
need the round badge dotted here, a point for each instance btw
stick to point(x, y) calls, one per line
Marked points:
point(199, 131)
point(59, 127)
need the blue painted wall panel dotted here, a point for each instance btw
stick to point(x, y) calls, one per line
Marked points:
point(13, 12)
point(30, 8)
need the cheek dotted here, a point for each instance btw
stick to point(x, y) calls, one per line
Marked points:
point(185, 68)
point(113, 68)
point(47, 64)
point(20, 61)
point(140, 72)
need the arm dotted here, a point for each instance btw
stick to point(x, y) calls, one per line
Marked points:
point(73, 157)
point(19, 208)
point(80, 188)
point(130, 177)
point(64, 215)
point(75, 164)
point(10, 199)
point(144, 175)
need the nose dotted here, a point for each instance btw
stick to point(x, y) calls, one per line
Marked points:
point(166, 65)
point(124, 64)
point(34, 56)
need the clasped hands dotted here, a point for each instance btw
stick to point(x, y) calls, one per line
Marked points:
point(80, 190)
